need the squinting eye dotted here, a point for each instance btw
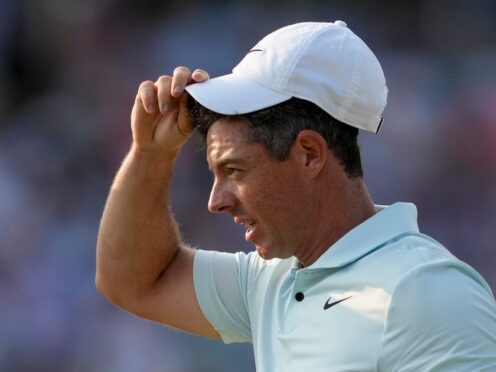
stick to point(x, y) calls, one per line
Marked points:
point(233, 170)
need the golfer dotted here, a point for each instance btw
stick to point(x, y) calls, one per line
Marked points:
point(336, 283)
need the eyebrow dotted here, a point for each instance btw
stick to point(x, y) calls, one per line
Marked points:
point(223, 162)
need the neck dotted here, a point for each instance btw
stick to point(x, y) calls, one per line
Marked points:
point(345, 208)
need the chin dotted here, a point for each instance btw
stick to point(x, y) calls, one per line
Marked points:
point(264, 253)
point(268, 254)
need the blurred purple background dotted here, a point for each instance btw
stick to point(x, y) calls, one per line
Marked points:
point(69, 70)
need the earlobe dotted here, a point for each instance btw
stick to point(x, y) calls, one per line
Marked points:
point(313, 149)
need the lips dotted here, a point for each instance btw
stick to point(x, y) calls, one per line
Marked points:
point(249, 225)
point(250, 231)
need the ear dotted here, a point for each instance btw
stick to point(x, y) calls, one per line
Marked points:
point(311, 150)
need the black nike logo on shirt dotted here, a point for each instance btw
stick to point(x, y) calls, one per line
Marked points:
point(327, 305)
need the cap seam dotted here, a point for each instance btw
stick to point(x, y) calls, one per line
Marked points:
point(355, 79)
point(290, 66)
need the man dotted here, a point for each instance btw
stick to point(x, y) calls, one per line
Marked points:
point(336, 283)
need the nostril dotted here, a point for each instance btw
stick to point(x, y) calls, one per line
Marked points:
point(212, 207)
point(218, 206)
point(221, 200)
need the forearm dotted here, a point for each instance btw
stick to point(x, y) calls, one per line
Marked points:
point(138, 236)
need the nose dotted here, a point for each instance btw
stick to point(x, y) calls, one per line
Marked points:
point(222, 199)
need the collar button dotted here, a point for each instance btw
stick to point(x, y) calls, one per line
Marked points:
point(299, 296)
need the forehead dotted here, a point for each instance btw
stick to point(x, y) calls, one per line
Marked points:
point(227, 138)
point(226, 130)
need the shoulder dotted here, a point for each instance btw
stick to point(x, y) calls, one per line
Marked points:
point(441, 310)
point(437, 288)
point(420, 262)
point(432, 282)
point(405, 256)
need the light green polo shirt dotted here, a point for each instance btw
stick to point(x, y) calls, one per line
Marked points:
point(383, 298)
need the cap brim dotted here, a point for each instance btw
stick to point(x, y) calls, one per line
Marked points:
point(233, 95)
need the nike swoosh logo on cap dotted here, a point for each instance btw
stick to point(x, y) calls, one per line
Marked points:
point(327, 305)
point(255, 50)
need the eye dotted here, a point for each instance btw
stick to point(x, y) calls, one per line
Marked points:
point(232, 171)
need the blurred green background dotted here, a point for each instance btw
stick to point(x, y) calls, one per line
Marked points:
point(69, 71)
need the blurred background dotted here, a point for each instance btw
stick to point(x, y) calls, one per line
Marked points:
point(69, 71)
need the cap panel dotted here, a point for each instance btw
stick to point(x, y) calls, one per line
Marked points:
point(323, 73)
point(368, 90)
point(271, 61)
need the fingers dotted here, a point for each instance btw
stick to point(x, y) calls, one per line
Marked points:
point(147, 96)
point(165, 99)
point(162, 95)
point(182, 76)
point(180, 79)
point(199, 76)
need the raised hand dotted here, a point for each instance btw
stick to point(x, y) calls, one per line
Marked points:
point(159, 119)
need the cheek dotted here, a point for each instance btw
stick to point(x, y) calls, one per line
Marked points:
point(268, 200)
point(253, 197)
point(274, 190)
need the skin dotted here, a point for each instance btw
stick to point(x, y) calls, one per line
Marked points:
point(298, 207)
point(142, 264)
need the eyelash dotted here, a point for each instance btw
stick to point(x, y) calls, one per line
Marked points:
point(231, 171)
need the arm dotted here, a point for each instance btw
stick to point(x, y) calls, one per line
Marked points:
point(142, 264)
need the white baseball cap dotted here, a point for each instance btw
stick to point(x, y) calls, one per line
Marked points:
point(324, 63)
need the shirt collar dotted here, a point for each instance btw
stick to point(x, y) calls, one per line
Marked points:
point(385, 225)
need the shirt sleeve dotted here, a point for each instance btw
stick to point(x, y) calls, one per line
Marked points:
point(442, 317)
point(222, 283)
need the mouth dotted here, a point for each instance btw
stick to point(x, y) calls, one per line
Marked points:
point(250, 227)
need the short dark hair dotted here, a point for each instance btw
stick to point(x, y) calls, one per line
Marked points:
point(276, 128)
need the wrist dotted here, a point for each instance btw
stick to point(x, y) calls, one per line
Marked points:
point(152, 155)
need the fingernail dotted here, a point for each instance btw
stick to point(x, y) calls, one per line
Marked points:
point(151, 108)
point(178, 89)
point(165, 107)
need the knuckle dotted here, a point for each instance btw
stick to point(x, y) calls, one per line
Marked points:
point(146, 84)
point(202, 73)
point(181, 70)
point(163, 79)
